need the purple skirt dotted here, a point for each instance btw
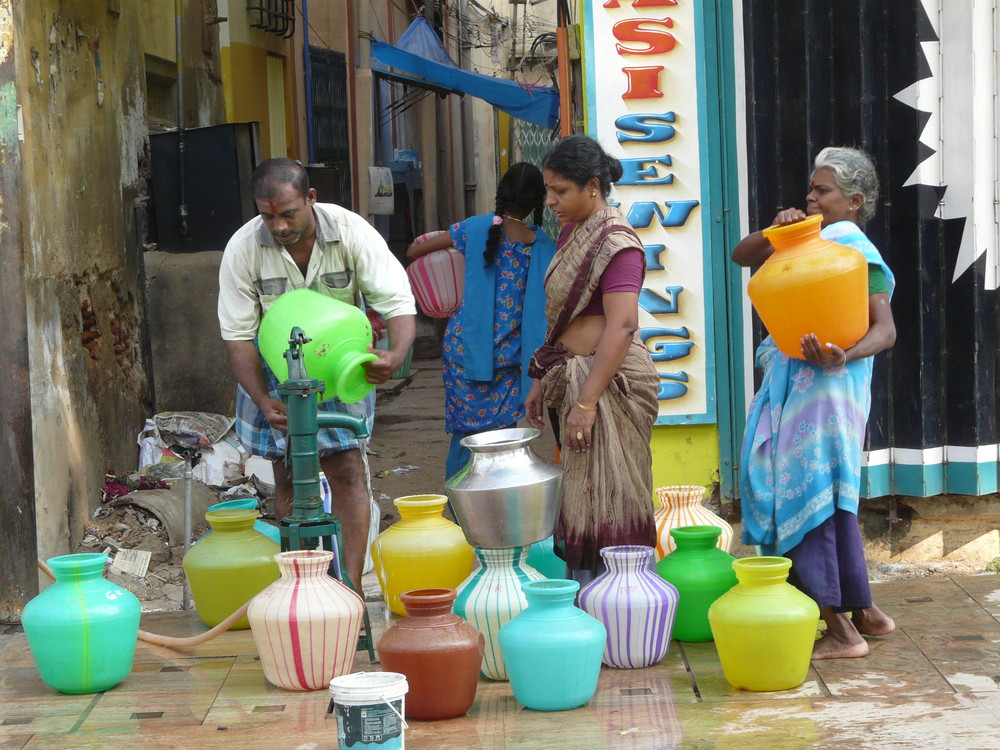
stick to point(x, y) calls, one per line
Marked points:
point(829, 564)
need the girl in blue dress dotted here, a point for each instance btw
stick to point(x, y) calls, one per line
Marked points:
point(489, 339)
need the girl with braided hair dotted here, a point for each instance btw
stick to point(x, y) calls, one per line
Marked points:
point(489, 339)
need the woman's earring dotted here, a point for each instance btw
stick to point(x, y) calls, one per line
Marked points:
point(593, 193)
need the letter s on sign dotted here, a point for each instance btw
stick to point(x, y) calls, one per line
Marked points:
point(631, 30)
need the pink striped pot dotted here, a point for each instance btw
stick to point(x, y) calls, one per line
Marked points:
point(306, 624)
point(636, 606)
point(438, 280)
point(680, 505)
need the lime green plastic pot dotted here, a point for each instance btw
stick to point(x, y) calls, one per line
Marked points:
point(82, 630)
point(764, 627)
point(230, 566)
point(271, 531)
point(340, 336)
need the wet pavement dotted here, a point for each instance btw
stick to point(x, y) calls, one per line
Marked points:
point(933, 683)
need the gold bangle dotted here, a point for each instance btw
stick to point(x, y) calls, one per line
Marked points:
point(586, 408)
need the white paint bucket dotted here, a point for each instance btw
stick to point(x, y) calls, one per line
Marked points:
point(370, 707)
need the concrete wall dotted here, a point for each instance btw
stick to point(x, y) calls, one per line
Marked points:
point(190, 361)
point(80, 85)
point(953, 528)
point(204, 103)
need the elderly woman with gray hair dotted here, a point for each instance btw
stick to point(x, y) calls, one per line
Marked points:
point(800, 474)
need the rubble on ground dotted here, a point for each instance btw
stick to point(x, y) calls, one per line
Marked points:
point(121, 527)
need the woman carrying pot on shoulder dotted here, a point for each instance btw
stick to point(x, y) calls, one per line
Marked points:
point(489, 339)
point(806, 427)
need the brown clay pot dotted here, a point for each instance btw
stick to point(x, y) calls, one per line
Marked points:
point(439, 653)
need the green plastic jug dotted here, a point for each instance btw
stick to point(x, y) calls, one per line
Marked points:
point(340, 336)
point(82, 629)
point(230, 566)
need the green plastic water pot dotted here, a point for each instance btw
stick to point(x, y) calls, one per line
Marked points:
point(340, 336)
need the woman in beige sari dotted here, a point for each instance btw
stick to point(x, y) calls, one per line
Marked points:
point(594, 374)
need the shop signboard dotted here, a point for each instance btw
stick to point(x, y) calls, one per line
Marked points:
point(645, 106)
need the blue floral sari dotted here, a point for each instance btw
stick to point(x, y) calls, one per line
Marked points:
point(801, 456)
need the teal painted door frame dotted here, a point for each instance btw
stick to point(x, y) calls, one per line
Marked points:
point(720, 196)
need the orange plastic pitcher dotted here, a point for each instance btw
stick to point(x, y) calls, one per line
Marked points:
point(810, 285)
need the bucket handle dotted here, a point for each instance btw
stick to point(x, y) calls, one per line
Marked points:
point(393, 709)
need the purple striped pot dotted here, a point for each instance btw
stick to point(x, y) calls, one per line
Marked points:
point(636, 606)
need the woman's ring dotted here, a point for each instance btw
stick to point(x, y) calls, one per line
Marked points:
point(579, 436)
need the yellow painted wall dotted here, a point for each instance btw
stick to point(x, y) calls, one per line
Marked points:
point(238, 30)
point(246, 101)
point(80, 86)
point(158, 29)
point(687, 454)
point(228, 96)
point(243, 52)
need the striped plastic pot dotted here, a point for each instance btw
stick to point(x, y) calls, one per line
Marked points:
point(437, 280)
point(491, 596)
point(636, 606)
point(680, 505)
point(305, 624)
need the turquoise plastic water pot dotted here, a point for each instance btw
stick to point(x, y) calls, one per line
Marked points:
point(340, 336)
point(553, 649)
point(247, 503)
point(82, 629)
point(543, 558)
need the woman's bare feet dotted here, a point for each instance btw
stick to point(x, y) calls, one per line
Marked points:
point(842, 640)
point(872, 621)
point(829, 647)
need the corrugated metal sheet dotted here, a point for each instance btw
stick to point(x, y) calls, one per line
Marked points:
point(915, 84)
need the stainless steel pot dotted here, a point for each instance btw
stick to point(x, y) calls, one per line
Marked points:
point(507, 495)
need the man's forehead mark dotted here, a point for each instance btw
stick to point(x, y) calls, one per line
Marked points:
point(270, 203)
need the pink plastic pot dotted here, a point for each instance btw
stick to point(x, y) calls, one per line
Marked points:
point(438, 280)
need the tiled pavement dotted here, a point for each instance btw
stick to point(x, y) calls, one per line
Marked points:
point(934, 683)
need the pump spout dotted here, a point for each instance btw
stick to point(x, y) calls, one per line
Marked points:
point(357, 425)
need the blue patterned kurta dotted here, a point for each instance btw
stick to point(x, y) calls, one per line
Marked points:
point(479, 405)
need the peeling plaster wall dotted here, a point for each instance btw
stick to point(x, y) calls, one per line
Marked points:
point(204, 103)
point(85, 153)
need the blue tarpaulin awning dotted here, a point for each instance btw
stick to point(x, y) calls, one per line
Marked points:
point(419, 52)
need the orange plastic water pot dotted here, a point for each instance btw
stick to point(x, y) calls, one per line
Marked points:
point(810, 285)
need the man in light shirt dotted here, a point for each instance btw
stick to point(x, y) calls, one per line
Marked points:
point(298, 243)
